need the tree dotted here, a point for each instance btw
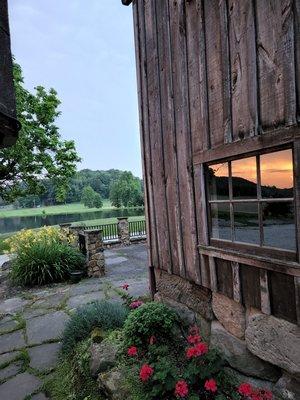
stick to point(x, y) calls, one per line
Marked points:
point(90, 198)
point(126, 191)
point(39, 152)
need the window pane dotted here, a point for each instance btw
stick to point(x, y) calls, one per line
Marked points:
point(276, 171)
point(279, 225)
point(220, 221)
point(246, 224)
point(218, 181)
point(244, 178)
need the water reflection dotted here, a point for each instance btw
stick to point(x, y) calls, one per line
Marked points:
point(220, 221)
point(279, 225)
point(246, 223)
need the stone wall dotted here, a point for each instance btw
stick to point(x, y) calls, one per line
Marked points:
point(258, 348)
point(95, 253)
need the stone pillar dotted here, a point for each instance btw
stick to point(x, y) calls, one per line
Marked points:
point(123, 231)
point(95, 253)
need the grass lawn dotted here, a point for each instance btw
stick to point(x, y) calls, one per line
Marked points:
point(92, 222)
point(54, 210)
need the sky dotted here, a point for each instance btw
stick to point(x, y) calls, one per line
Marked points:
point(84, 49)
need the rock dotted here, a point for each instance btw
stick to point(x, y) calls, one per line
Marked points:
point(287, 388)
point(19, 387)
point(44, 357)
point(187, 315)
point(8, 357)
point(39, 396)
point(112, 385)
point(230, 313)
point(103, 357)
point(46, 327)
point(7, 325)
point(10, 370)
point(12, 341)
point(51, 301)
point(274, 340)
point(180, 290)
point(205, 327)
point(237, 355)
point(12, 305)
point(256, 383)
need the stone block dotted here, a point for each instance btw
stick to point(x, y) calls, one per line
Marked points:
point(103, 357)
point(193, 296)
point(12, 341)
point(44, 357)
point(237, 355)
point(19, 387)
point(187, 315)
point(205, 327)
point(231, 314)
point(256, 383)
point(274, 340)
point(287, 388)
point(111, 383)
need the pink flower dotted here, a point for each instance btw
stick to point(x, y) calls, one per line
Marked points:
point(146, 372)
point(136, 304)
point(152, 340)
point(245, 389)
point(132, 351)
point(125, 286)
point(211, 385)
point(181, 389)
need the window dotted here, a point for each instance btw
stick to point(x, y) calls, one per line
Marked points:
point(251, 201)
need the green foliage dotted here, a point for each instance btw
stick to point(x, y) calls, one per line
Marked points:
point(101, 314)
point(45, 262)
point(126, 191)
point(90, 198)
point(151, 319)
point(39, 151)
point(72, 380)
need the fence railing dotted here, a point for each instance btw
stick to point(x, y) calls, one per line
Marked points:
point(110, 231)
point(137, 228)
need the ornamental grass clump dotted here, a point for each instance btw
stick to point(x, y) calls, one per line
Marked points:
point(98, 314)
point(42, 257)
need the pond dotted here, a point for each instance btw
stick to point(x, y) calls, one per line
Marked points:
point(14, 224)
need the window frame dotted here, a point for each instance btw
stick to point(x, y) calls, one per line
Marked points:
point(244, 247)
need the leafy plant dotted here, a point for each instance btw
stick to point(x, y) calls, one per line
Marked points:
point(101, 314)
point(151, 319)
point(44, 262)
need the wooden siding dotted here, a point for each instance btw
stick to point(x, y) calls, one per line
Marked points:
point(215, 80)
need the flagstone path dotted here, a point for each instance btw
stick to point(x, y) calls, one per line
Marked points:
point(31, 322)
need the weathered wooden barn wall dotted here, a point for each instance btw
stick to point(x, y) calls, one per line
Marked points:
point(216, 79)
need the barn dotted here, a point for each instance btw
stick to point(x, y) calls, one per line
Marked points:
point(219, 93)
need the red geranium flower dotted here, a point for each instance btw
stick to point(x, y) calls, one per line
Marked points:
point(181, 389)
point(211, 385)
point(194, 330)
point(152, 340)
point(146, 372)
point(136, 304)
point(191, 352)
point(245, 389)
point(125, 286)
point(132, 351)
point(194, 339)
point(201, 348)
point(266, 394)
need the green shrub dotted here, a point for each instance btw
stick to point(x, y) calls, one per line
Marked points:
point(151, 319)
point(45, 261)
point(101, 314)
point(72, 379)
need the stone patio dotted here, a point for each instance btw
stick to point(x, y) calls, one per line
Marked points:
point(32, 321)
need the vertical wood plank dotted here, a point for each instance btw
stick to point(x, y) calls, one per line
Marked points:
point(218, 77)
point(197, 75)
point(137, 42)
point(250, 283)
point(183, 137)
point(297, 52)
point(276, 62)
point(237, 295)
point(205, 271)
point(264, 292)
point(283, 296)
point(213, 274)
point(169, 134)
point(145, 128)
point(243, 69)
point(224, 277)
point(156, 144)
point(297, 297)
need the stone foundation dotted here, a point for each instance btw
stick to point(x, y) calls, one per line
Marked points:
point(123, 231)
point(95, 253)
point(258, 348)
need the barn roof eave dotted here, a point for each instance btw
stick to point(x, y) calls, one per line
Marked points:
point(126, 2)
